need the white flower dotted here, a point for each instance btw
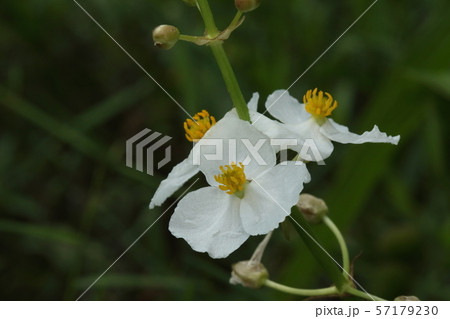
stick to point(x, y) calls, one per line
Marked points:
point(308, 122)
point(251, 198)
point(273, 129)
point(207, 128)
point(205, 125)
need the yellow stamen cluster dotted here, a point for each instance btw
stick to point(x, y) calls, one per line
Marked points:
point(232, 178)
point(196, 129)
point(318, 104)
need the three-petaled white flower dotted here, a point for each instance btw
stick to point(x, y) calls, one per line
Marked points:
point(308, 123)
point(201, 125)
point(244, 199)
point(206, 128)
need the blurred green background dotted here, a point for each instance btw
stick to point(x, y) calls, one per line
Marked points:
point(70, 98)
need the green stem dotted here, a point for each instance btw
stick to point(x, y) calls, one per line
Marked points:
point(235, 20)
point(301, 292)
point(306, 233)
point(208, 19)
point(222, 60)
point(190, 38)
point(345, 256)
point(320, 292)
point(362, 294)
point(230, 80)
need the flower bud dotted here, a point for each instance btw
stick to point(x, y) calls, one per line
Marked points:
point(249, 274)
point(312, 208)
point(247, 5)
point(190, 2)
point(165, 36)
point(406, 298)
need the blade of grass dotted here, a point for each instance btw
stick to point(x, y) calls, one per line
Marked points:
point(438, 81)
point(136, 281)
point(69, 135)
point(20, 204)
point(102, 112)
point(53, 233)
point(401, 105)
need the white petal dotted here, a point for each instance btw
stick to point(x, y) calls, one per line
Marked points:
point(208, 219)
point(280, 136)
point(253, 103)
point(285, 108)
point(232, 114)
point(341, 134)
point(233, 140)
point(268, 198)
point(313, 145)
point(180, 174)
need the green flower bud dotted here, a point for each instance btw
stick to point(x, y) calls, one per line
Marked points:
point(249, 274)
point(165, 36)
point(312, 208)
point(406, 298)
point(190, 2)
point(247, 5)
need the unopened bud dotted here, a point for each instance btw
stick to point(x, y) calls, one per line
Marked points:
point(406, 298)
point(249, 274)
point(165, 36)
point(247, 5)
point(312, 208)
point(190, 2)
